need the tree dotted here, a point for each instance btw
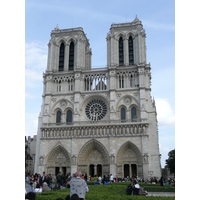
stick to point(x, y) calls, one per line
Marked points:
point(170, 162)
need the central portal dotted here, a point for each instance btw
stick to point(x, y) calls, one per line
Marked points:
point(99, 170)
point(93, 159)
point(91, 170)
point(126, 170)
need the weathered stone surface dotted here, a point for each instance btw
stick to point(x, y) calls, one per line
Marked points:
point(107, 121)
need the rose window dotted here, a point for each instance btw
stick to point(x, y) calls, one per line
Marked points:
point(96, 109)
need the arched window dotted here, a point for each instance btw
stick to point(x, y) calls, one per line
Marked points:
point(58, 117)
point(59, 86)
point(69, 117)
point(61, 57)
point(123, 115)
point(133, 114)
point(130, 50)
point(121, 52)
point(71, 56)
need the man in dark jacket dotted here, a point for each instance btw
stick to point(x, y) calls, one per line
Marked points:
point(59, 179)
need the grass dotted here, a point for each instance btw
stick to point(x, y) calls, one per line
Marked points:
point(114, 191)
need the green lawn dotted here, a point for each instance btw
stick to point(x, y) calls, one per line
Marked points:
point(114, 191)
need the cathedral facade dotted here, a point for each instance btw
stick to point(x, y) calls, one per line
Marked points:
point(98, 120)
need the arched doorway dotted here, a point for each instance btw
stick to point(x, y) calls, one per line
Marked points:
point(91, 170)
point(99, 170)
point(58, 160)
point(93, 159)
point(128, 160)
point(126, 170)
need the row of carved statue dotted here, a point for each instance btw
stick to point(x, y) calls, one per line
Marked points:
point(115, 130)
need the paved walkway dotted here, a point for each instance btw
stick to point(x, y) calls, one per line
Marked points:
point(162, 194)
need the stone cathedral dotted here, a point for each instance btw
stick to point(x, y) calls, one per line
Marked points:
point(98, 120)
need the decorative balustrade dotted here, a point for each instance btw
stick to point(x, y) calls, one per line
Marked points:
point(101, 122)
point(94, 130)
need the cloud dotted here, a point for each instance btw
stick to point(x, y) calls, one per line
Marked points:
point(164, 154)
point(36, 55)
point(165, 113)
point(31, 124)
point(35, 63)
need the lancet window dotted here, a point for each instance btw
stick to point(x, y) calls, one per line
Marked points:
point(130, 49)
point(61, 57)
point(121, 81)
point(121, 52)
point(133, 114)
point(58, 117)
point(123, 114)
point(69, 117)
point(71, 56)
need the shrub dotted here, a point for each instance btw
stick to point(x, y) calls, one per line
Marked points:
point(113, 191)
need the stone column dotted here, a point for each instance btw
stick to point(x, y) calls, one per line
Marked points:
point(130, 174)
point(126, 53)
point(95, 169)
point(66, 61)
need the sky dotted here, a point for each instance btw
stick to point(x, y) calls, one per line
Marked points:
point(96, 17)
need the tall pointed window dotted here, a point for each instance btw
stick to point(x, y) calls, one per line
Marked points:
point(133, 114)
point(71, 56)
point(58, 117)
point(61, 57)
point(130, 49)
point(121, 52)
point(123, 115)
point(69, 117)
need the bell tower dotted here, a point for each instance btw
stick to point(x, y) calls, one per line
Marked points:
point(126, 44)
point(68, 50)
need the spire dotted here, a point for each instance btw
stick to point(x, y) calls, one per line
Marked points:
point(57, 28)
point(136, 20)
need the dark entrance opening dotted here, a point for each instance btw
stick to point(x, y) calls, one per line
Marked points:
point(64, 170)
point(91, 170)
point(99, 170)
point(57, 170)
point(133, 170)
point(126, 170)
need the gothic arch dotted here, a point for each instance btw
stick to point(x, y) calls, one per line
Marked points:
point(131, 33)
point(133, 101)
point(58, 156)
point(120, 35)
point(71, 39)
point(85, 156)
point(92, 96)
point(129, 146)
point(61, 40)
point(62, 104)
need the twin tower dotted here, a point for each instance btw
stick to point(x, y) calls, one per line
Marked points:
point(99, 121)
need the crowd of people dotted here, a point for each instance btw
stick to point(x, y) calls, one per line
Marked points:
point(45, 182)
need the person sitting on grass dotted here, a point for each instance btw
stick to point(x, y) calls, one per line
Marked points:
point(45, 187)
point(37, 188)
point(96, 182)
point(56, 187)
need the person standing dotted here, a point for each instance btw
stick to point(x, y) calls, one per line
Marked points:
point(43, 177)
point(59, 179)
point(85, 177)
point(31, 181)
point(78, 186)
point(111, 178)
